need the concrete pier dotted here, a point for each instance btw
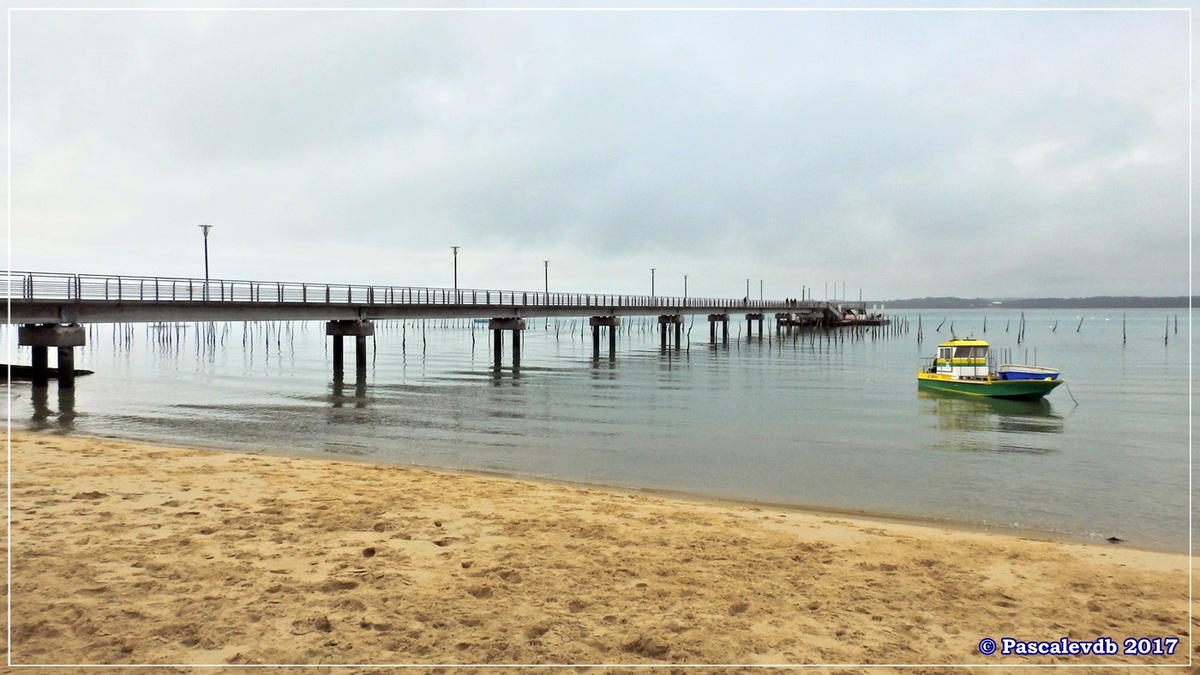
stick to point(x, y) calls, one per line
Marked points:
point(782, 319)
point(498, 326)
point(676, 320)
point(750, 319)
point(713, 320)
point(342, 328)
point(44, 336)
point(610, 322)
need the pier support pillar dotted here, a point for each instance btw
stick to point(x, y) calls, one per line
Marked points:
point(750, 319)
point(66, 367)
point(497, 326)
point(610, 322)
point(41, 337)
point(41, 366)
point(342, 328)
point(782, 320)
point(360, 353)
point(713, 320)
point(675, 320)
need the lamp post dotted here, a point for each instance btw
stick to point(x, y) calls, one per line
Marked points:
point(455, 249)
point(205, 229)
point(652, 282)
point(547, 264)
point(760, 292)
point(685, 290)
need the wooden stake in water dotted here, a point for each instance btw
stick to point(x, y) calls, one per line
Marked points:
point(1080, 324)
point(1123, 337)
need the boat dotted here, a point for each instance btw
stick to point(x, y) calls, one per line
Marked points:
point(964, 366)
point(1012, 371)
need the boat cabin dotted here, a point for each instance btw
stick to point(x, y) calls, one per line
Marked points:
point(962, 358)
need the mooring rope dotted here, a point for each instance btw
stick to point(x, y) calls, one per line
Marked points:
point(1068, 386)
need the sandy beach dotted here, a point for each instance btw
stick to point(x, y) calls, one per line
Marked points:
point(124, 553)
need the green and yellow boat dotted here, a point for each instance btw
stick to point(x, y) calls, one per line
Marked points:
point(965, 367)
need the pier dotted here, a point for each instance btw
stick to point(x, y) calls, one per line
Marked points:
point(50, 309)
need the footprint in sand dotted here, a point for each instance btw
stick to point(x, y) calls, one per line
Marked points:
point(333, 585)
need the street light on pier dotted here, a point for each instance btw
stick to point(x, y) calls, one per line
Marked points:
point(652, 282)
point(205, 229)
point(547, 264)
point(455, 249)
point(760, 292)
point(685, 290)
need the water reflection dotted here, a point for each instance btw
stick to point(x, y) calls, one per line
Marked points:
point(338, 397)
point(66, 408)
point(989, 424)
point(45, 417)
point(41, 406)
point(501, 376)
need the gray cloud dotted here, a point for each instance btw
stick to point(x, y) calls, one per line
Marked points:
point(920, 153)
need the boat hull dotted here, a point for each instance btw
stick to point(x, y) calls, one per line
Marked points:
point(1018, 390)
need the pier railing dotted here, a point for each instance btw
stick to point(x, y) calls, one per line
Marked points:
point(52, 286)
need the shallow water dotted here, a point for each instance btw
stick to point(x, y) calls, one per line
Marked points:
point(828, 421)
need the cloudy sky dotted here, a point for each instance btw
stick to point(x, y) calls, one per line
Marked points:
point(904, 153)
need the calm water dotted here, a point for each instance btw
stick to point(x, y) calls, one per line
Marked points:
point(798, 421)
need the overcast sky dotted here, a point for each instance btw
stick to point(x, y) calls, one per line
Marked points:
point(913, 153)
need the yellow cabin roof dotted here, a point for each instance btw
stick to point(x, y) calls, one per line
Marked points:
point(967, 342)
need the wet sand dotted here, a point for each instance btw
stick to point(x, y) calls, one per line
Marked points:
point(125, 553)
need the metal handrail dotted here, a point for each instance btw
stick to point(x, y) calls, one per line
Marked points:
point(51, 286)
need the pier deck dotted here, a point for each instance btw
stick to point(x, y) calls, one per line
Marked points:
point(49, 307)
point(40, 297)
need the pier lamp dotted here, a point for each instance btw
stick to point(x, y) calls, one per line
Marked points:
point(205, 229)
point(652, 282)
point(760, 292)
point(455, 249)
point(685, 290)
point(547, 264)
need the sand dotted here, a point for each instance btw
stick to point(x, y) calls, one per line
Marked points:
point(125, 553)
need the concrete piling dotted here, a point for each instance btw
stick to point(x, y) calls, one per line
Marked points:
point(612, 323)
point(41, 366)
point(675, 320)
point(338, 330)
point(750, 319)
point(497, 326)
point(41, 337)
point(713, 320)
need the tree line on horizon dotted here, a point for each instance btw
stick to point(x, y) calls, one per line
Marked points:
point(1093, 302)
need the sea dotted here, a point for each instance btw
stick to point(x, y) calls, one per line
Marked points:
point(813, 419)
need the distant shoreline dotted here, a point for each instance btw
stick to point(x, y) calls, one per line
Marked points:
point(1093, 302)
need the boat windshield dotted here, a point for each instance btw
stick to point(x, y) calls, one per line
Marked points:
point(970, 352)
